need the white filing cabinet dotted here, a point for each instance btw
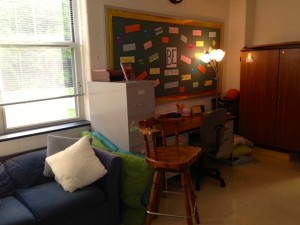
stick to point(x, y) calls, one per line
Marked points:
point(117, 107)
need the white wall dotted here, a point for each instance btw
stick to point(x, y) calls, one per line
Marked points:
point(35, 142)
point(95, 37)
point(94, 53)
point(276, 21)
point(236, 41)
point(246, 22)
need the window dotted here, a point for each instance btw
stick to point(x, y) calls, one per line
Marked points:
point(39, 72)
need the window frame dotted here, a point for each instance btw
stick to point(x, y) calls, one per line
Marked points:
point(78, 78)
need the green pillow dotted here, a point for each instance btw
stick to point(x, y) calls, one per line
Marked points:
point(241, 150)
point(136, 177)
point(95, 142)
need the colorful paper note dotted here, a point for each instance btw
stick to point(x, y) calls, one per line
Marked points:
point(156, 82)
point(132, 28)
point(186, 77)
point(201, 69)
point(184, 39)
point(147, 45)
point(199, 43)
point(173, 30)
point(127, 59)
point(165, 40)
point(195, 84)
point(129, 47)
point(171, 85)
point(154, 71)
point(153, 57)
point(208, 83)
point(142, 76)
point(171, 72)
point(182, 89)
point(197, 32)
point(185, 59)
point(212, 34)
point(158, 31)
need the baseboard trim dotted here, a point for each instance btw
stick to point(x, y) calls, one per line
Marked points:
point(286, 156)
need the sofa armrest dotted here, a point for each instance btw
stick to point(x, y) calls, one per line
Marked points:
point(110, 183)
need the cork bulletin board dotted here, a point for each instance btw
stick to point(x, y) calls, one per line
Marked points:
point(165, 50)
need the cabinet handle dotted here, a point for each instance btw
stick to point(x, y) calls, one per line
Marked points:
point(139, 104)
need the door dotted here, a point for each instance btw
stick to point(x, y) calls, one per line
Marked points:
point(258, 93)
point(288, 110)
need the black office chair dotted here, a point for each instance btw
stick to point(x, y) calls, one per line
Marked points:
point(209, 139)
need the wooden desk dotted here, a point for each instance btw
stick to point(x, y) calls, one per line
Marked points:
point(192, 123)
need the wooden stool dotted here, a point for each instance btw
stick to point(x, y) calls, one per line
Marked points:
point(163, 159)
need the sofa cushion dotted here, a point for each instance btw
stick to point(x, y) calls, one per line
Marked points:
point(77, 166)
point(6, 185)
point(13, 212)
point(25, 170)
point(56, 144)
point(49, 202)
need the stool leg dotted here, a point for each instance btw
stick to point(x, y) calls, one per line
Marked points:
point(155, 190)
point(193, 198)
point(161, 177)
point(185, 189)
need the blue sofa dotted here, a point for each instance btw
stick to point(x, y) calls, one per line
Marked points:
point(30, 198)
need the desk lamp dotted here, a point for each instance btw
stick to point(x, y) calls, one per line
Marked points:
point(212, 58)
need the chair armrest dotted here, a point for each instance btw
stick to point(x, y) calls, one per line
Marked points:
point(110, 183)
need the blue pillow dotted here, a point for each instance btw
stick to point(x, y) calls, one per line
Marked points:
point(111, 146)
point(6, 185)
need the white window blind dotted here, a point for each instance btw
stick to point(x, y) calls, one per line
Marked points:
point(39, 79)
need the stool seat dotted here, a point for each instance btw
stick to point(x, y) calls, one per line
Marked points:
point(174, 159)
point(169, 158)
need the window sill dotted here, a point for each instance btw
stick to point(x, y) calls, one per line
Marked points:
point(28, 133)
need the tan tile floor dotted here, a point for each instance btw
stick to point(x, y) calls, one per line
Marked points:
point(262, 192)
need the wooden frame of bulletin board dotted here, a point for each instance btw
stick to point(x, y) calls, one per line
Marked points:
point(165, 50)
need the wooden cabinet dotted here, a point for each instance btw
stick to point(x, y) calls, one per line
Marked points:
point(117, 107)
point(269, 96)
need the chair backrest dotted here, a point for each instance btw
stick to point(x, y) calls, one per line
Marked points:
point(154, 130)
point(212, 129)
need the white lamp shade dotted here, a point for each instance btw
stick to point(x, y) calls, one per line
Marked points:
point(205, 58)
point(218, 55)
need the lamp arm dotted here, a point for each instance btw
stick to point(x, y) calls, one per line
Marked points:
point(214, 65)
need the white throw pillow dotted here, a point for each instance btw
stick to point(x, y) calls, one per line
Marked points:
point(77, 166)
point(56, 144)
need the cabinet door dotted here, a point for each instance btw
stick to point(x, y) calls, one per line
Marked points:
point(141, 100)
point(258, 93)
point(288, 110)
